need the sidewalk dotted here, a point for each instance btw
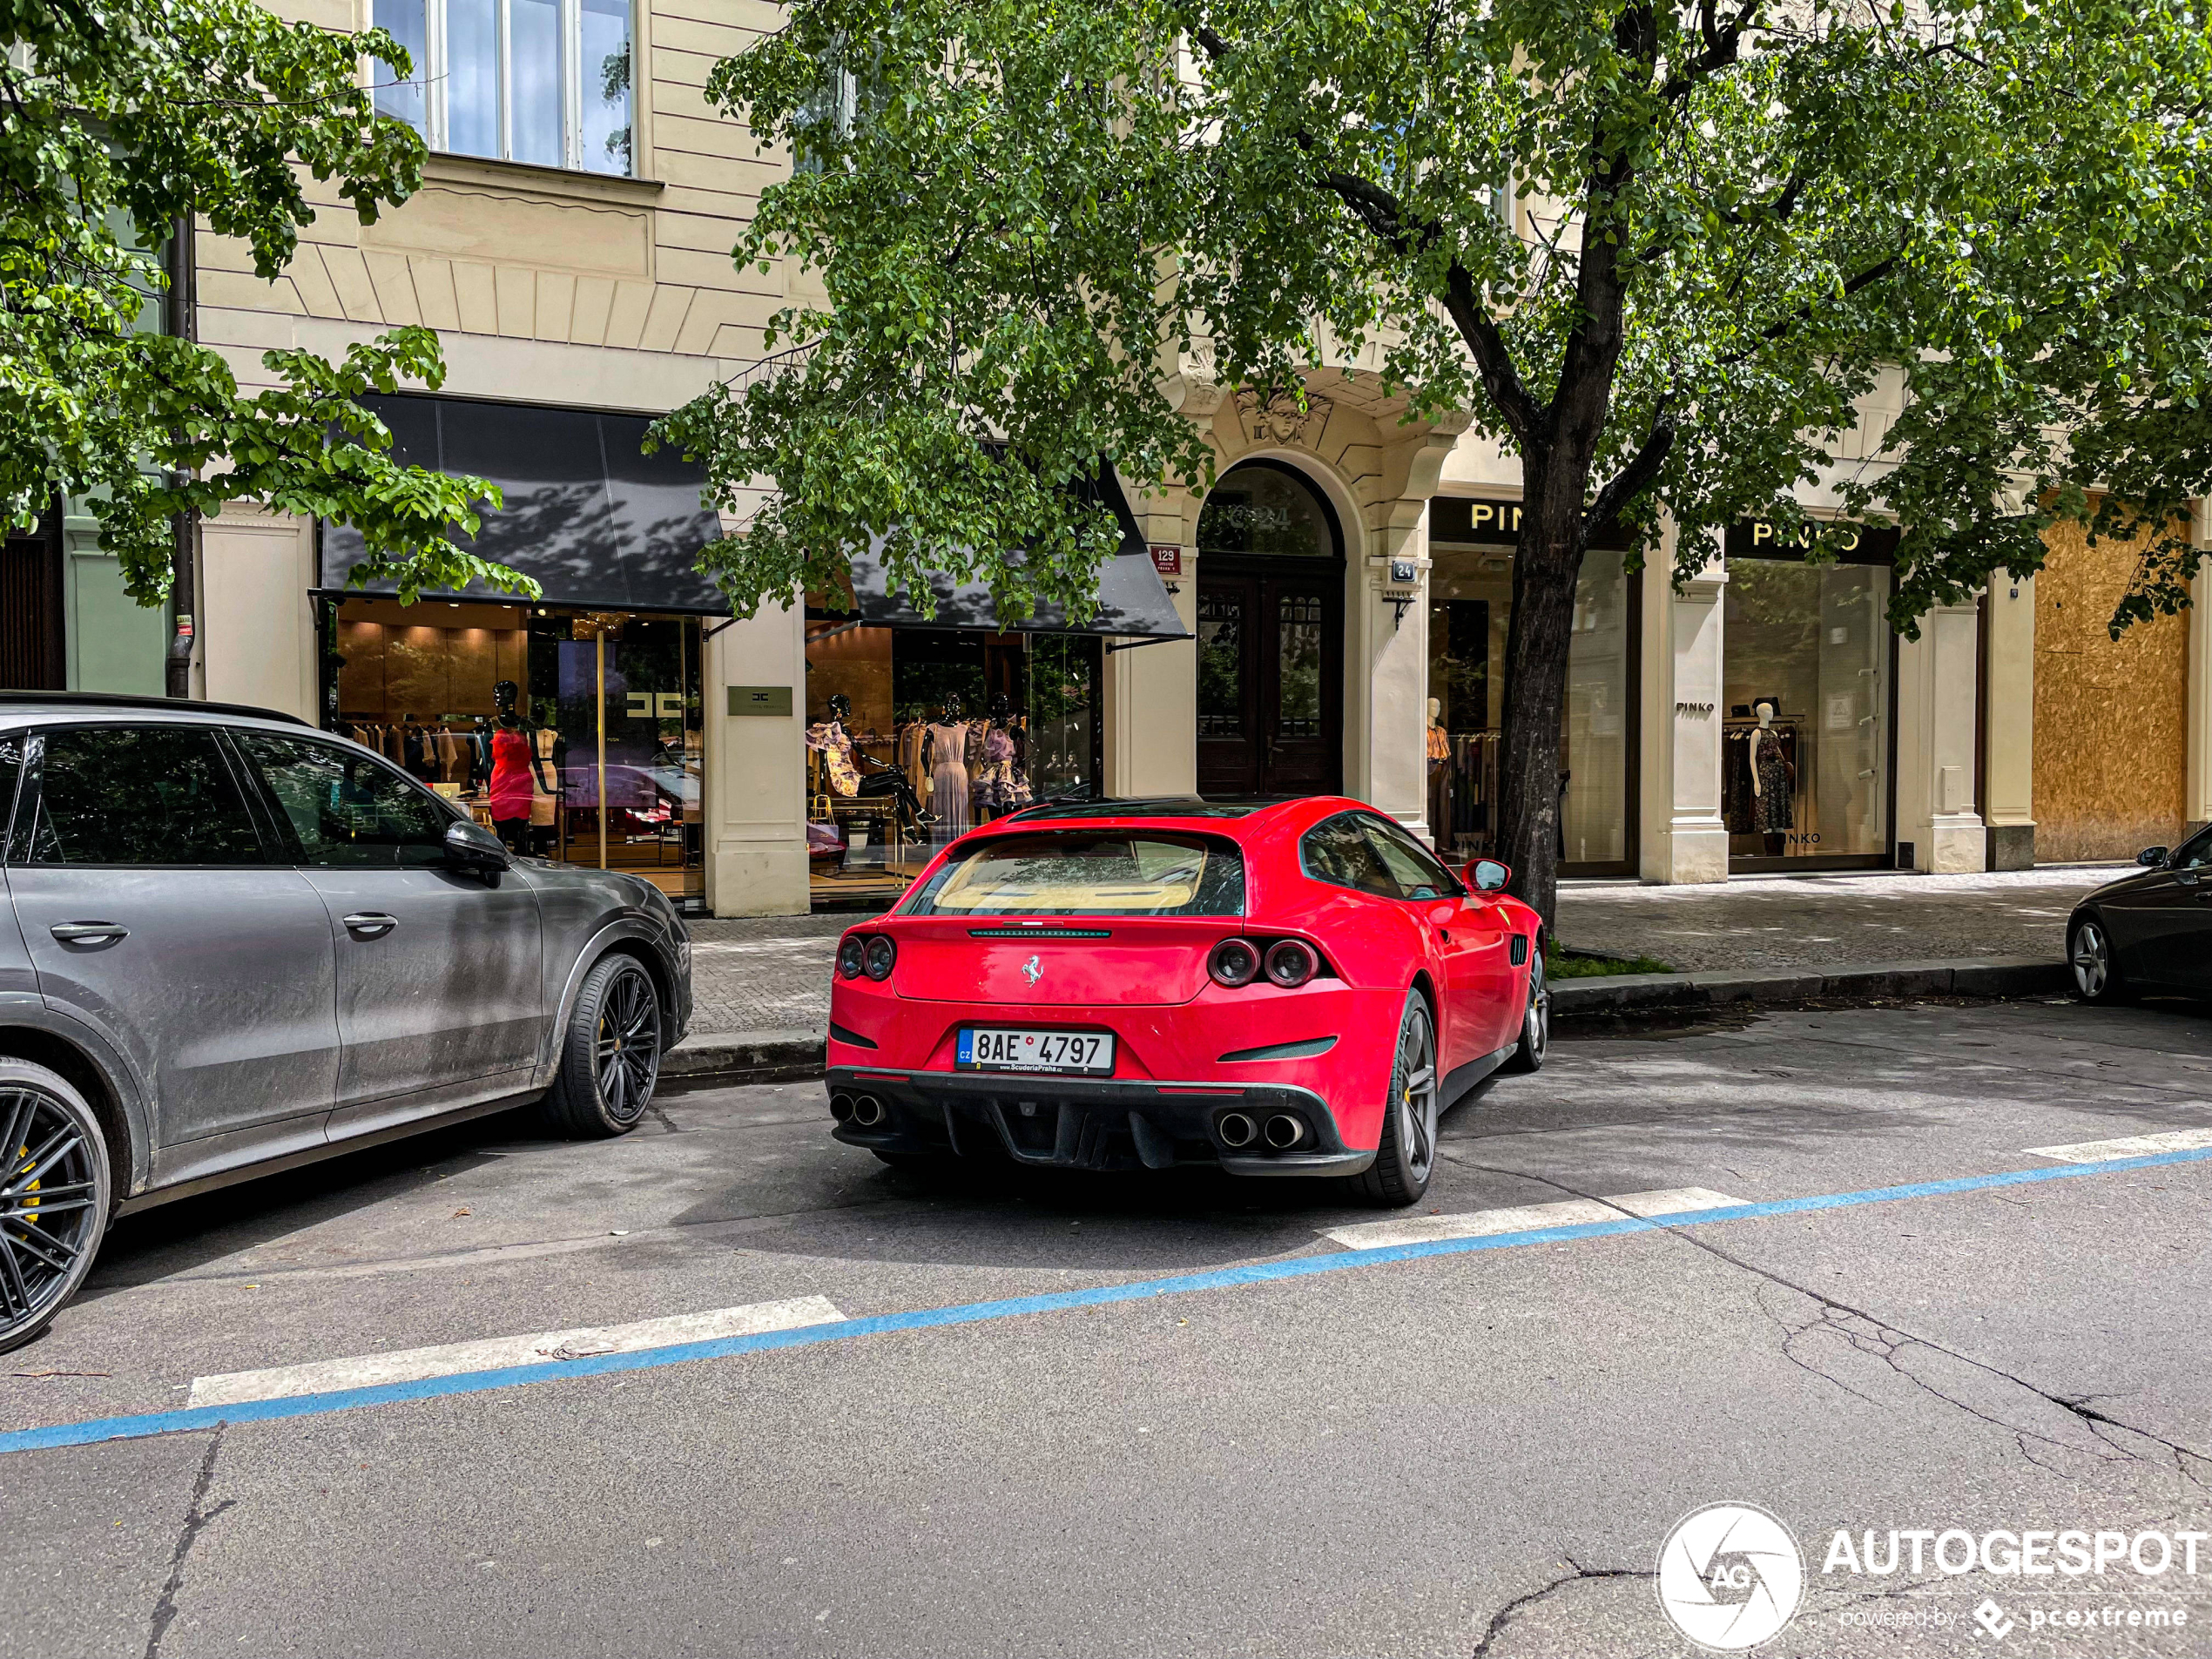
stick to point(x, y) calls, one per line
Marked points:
point(761, 985)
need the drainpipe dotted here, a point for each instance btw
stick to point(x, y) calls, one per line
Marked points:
point(181, 322)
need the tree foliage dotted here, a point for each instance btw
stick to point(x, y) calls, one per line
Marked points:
point(1027, 205)
point(116, 123)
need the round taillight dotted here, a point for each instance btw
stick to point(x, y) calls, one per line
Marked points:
point(1233, 962)
point(852, 956)
point(1291, 962)
point(882, 954)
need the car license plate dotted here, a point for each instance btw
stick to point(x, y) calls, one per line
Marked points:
point(997, 1048)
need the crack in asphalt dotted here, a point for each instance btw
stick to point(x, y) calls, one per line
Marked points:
point(196, 1518)
point(1504, 1615)
point(1866, 1334)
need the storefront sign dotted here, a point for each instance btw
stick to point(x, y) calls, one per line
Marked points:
point(1167, 558)
point(760, 699)
point(1851, 544)
point(1496, 521)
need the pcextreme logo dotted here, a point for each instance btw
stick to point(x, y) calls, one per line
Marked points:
point(1731, 1576)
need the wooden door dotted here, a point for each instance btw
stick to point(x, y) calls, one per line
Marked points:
point(1269, 711)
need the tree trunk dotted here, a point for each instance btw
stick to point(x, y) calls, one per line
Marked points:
point(1548, 561)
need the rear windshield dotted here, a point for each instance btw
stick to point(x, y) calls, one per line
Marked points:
point(1088, 873)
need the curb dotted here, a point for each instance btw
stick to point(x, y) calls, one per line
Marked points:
point(1671, 993)
point(747, 1056)
point(794, 1056)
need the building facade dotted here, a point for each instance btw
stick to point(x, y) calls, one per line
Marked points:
point(1330, 616)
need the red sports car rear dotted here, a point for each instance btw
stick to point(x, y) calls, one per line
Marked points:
point(1293, 989)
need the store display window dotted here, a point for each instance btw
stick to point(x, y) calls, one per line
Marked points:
point(1808, 663)
point(574, 735)
point(1470, 612)
point(916, 735)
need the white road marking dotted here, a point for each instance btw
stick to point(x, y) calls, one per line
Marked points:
point(492, 1354)
point(2127, 1146)
point(1573, 1212)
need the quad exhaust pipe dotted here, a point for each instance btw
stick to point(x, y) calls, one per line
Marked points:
point(1237, 1130)
point(1284, 1131)
point(841, 1107)
point(868, 1111)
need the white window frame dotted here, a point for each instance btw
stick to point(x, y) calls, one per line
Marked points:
point(434, 75)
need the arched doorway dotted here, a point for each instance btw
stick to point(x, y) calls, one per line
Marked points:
point(1270, 637)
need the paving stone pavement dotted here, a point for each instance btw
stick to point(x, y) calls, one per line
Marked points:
point(771, 973)
point(1818, 922)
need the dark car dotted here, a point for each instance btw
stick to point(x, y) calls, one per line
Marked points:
point(232, 944)
point(2148, 931)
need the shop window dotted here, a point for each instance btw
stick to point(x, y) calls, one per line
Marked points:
point(575, 735)
point(1805, 761)
point(548, 82)
point(1470, 610)
point(916, 735)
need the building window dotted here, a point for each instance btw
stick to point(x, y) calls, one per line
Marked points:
point(547, 82)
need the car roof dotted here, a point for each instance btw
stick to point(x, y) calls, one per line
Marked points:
point(1149, 806)
point(1238, 820)
point(62, 705)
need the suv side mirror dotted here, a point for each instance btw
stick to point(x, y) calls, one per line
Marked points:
point(1487, 875)
point(2151, 856)
point(471, 848)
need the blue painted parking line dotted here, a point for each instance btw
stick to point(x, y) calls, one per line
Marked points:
point(154, 1423)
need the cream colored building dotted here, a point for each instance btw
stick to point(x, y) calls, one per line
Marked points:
point(1342, 596)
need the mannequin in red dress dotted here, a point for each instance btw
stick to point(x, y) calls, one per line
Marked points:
point(513, 757)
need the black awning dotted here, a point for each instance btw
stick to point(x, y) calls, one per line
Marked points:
point(596, 520)
point(1132, 600)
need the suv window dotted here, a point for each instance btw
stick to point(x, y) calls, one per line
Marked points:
point(343, 808)
point(1417, 871)
point(1337, 850)
point(145, 794)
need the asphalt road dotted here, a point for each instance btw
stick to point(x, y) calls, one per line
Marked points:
point(1474, 1450)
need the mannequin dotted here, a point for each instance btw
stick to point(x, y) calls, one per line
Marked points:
point(516, 781)
point(1772, 780)
point(1439, 776)
point(1000, 786)
point(856, 776)
point(944, 751)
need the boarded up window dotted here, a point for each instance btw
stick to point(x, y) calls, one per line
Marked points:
point(2111, 715)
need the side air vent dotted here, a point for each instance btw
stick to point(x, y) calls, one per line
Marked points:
point(1519, 949)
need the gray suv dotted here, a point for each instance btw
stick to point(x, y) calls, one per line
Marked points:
point(234, 944)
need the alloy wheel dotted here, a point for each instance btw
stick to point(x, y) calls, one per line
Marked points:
point(627, 1053)
point(1536, 1025)
point(2092, 959)
point(49, 1204)
point(1417, 1092)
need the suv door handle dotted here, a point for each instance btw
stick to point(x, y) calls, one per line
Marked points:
point(370, 923)
point(88, 932)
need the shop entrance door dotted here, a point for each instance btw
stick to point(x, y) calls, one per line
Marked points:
point(1269, 680)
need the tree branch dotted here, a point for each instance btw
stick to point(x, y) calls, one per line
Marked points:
point(1643, 467)
point(1493, 357)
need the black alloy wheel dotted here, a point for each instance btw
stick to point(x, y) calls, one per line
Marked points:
point(1407, 1156)
point(1535, 1020)
point(54, 1197)
point(2096, 974)
point(610, 1055)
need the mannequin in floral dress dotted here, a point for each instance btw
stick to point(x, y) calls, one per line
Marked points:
point(853, 775)
point(1000, 786)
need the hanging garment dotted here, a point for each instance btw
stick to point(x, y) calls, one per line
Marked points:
point(828, 738)
point(948, 781)
point(511, 774)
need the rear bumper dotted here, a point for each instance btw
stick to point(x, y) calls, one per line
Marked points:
point(1087, 1123)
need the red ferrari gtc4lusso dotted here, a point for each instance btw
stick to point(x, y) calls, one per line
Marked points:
point(1286, 989)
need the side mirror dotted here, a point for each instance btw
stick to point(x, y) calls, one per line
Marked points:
point(1487, 875)
point(471, 848)
point(2151, 856)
